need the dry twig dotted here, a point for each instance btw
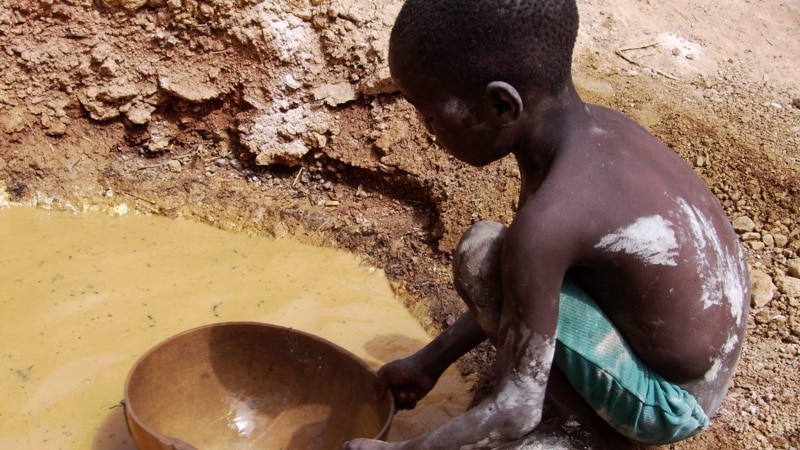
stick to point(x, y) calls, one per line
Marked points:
point(137, 197)
point(621, 53)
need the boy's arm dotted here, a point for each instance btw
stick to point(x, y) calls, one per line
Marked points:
point(411, 378)
point(513, 409)
point(525, 354)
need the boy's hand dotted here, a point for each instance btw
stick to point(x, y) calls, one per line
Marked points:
point(407, 379)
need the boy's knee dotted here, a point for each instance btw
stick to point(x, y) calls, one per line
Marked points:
point(479, 250)
point(477, 272)
point(481, 240)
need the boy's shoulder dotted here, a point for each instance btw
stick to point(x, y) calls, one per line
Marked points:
point(610, 175)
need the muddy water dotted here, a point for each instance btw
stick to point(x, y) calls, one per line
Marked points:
point(83, 296)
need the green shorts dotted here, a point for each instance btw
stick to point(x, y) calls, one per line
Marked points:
point(625, 392)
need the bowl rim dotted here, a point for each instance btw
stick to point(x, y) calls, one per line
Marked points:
point(129, 411)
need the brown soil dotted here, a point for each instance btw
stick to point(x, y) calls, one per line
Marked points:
point(279, 119)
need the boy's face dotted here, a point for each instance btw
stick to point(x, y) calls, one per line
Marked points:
point(459, 125)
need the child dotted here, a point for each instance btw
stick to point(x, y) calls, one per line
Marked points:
point(619, 291)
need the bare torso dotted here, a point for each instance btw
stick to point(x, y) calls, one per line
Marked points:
point(652, 247)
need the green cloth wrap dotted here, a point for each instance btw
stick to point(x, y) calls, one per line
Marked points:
point(625, 392)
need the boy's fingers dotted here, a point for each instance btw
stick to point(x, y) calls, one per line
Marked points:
point(379, 387)
point(406, 400)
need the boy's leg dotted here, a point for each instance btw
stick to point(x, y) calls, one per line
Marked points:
point(477, 276)
point(477, 279)
point(570, 404)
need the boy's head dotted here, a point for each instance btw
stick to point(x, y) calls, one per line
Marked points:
point(463, 45)
point(470, 66)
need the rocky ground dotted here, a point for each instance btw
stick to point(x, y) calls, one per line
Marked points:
point(280, 119)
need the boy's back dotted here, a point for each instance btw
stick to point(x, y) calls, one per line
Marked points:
point(646, 238)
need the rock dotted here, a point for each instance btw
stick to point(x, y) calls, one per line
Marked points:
point(316, 140)
point(97, 109)
point(140, 113)
point(58, 106)
point(743, 224)
point(174, 165)
point(291, 83)
point(794, 268)
point(162, 133)
point(781, 240)
point(53, 126)
point(381, 82)
point(115, 93)
point(763, 317)
point(283, 137)
point(13, 121)
point(130, 5)
point(700, 161)
point(188, 89)
point(100, 52)
point(761, 287)
point(289, 154)
point(751, 236)
point(335, 94)
point(109, 67)
point(789, 286)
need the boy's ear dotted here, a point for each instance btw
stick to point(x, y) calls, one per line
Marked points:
point(503, 102)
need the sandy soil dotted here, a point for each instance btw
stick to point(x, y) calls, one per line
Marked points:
point(279, 119)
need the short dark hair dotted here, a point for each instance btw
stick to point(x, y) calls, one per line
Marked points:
point(527, 43)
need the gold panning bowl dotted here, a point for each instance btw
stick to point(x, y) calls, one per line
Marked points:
point(243, 385)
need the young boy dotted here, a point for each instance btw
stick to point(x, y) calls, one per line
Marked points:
point(619, 291)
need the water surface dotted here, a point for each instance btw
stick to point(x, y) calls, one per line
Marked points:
point(83, 296)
